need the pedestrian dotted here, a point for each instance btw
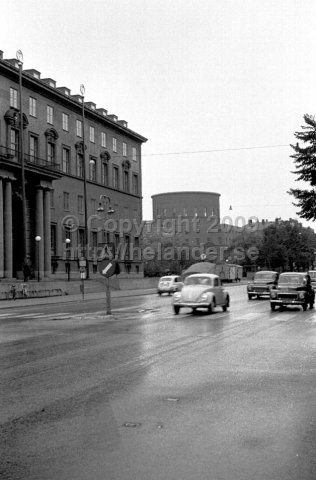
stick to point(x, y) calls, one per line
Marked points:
point(24, 290)
point(13, 292)
point(27, 268)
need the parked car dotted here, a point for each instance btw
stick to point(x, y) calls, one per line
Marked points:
point(262, 283)
point(201, 290)
point(168, 284)
point(294, 288)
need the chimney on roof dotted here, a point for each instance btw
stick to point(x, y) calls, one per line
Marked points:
point(50, 82)
point(1, 55)
point(78, 98)
point(12, 61)
point(102, 111)
point(123, 123)
point(90, 105)
point(64, 90)
point(34, 73)
point(113, 117)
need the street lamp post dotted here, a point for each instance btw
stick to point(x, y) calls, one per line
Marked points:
point(86, 236)
point(38, 239)
point(68, 257)
point(19, 56)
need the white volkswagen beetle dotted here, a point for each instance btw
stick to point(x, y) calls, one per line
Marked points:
point(201, 290)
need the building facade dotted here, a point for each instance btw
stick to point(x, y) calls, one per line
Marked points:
point(68, 171)
point(193, 219)
point(193, 216)
point(189, 225)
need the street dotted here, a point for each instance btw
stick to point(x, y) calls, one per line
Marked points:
point(145, 394)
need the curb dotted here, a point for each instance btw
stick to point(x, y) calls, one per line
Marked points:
point(73, 298)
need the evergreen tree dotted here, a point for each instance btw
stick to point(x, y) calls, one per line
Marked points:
point(305, 164)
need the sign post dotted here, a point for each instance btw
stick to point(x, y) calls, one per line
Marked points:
point(107, 266)
point(82, 265)
point(108, 297)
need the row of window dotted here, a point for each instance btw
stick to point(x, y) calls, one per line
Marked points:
point(94, 241)
point(104, 179)
point(175, 212)
point(65, 124)
point(80, 204)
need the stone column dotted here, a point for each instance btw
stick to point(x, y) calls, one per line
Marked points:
point(47, 246)
point(39, 231)
point(8, 247)
point(1, 231)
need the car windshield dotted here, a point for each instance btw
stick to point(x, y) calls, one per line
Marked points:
point(198, 281)
point(264, 277)
point(291, 279)
point(165, 279)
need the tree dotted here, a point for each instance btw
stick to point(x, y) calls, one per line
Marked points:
point(305, 164)
point(288, 246)
point(282, 245)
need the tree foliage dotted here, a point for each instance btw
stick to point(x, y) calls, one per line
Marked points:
point(288, 246)
point(305, 168)
point(283, 245)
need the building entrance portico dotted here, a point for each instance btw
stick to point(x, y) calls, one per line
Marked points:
point(38, 218)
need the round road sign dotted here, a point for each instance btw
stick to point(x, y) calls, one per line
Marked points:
point(107, 268)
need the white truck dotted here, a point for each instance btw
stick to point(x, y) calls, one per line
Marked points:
point(229, 272)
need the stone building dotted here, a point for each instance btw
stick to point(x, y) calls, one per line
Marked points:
point(53, 189)
point(193, 218)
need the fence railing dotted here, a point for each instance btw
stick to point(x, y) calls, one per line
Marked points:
point(13, 155)
point(14, 292)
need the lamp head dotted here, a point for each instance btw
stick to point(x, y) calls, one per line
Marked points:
point(19, 56)
point(82, 89)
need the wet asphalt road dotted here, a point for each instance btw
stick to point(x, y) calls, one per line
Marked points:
point(148, 395)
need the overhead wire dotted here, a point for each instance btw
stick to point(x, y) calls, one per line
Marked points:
point(193, 152)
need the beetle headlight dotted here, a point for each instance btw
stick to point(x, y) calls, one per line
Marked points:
point(203, 297)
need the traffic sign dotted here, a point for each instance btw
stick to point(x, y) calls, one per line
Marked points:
point(106, 251)
point(107, 268)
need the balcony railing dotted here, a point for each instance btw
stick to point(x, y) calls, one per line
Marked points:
point(13, 155)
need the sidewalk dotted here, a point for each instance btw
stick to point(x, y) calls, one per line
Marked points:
point(20, 302)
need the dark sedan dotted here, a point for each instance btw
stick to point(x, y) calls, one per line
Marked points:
point(294, 288)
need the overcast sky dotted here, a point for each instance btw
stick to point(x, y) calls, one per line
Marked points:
point(217, 87)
